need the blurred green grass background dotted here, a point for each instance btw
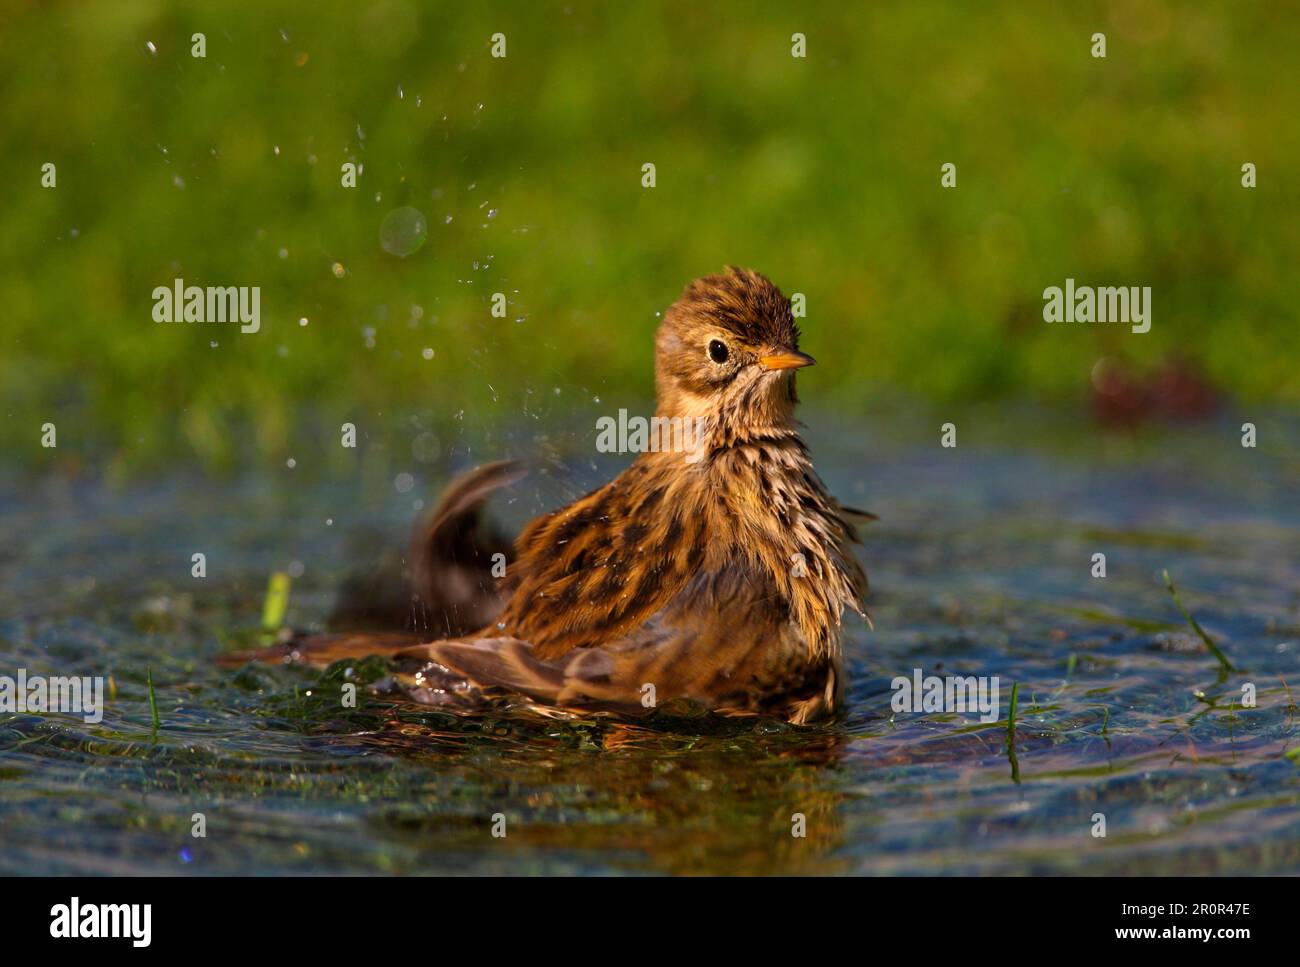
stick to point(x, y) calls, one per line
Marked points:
point(822, 172)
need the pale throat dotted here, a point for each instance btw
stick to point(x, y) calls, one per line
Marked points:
point(728, 417)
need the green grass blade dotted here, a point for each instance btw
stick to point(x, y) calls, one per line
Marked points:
point(1214, 649)
point(276, 603)
point(153, 700)
point(1011, 714)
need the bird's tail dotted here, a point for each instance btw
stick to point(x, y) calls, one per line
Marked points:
point(445, 584)
point(323, 650)
point(448, 537)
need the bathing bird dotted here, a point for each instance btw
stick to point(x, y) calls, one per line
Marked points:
point(719, 576)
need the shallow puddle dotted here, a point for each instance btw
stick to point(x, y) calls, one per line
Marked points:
point(980, 566)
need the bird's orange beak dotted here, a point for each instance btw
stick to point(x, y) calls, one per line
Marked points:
point(789, 359)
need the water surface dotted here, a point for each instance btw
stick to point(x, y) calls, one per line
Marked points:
point(980, 565)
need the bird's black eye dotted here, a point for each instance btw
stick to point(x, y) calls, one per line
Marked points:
point(717, 350)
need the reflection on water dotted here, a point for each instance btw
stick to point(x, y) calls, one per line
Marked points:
point(980, 565)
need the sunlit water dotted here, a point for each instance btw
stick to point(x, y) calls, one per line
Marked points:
point(980, 565)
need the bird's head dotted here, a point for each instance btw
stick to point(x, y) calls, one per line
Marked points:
point(728, 349)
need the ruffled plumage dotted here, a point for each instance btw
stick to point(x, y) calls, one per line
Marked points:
point(720, 580)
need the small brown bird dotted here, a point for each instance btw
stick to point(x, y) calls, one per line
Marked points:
point(718, 576)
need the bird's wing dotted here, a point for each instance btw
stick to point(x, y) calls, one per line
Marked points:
point(734, 658)
point(587, 677)
point(595, 571)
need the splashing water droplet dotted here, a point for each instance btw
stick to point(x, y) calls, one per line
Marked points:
point(403, 231)
point(426, 448)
